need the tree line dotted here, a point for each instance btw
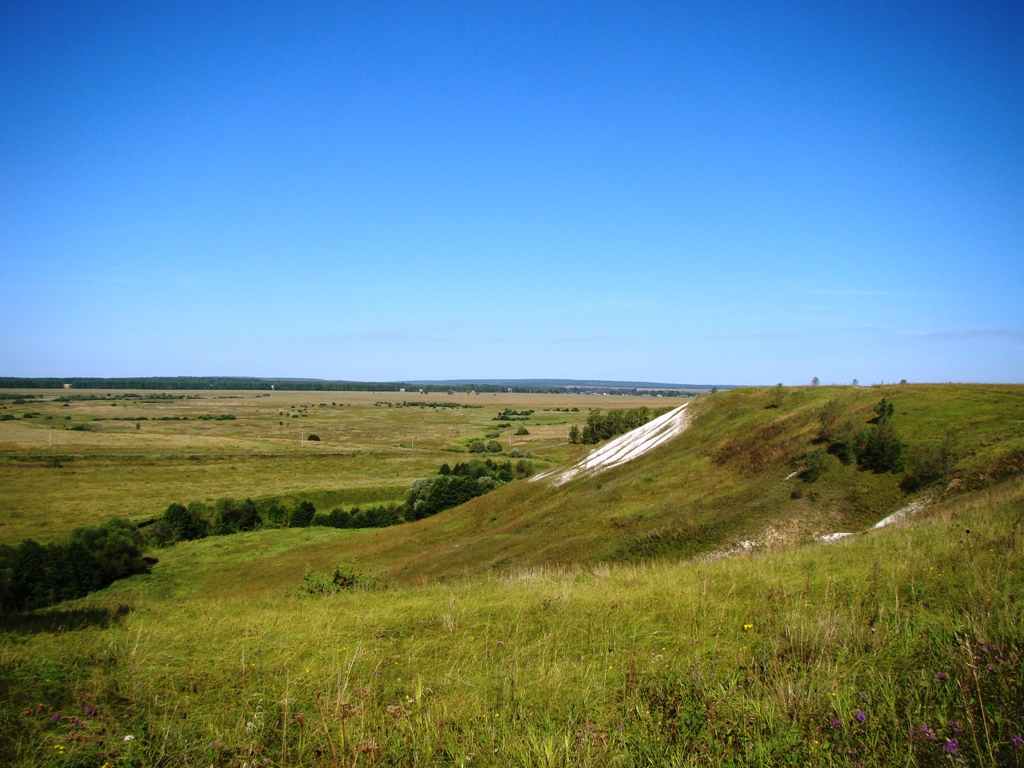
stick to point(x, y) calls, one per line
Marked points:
point(604, 426)
point(34, 575)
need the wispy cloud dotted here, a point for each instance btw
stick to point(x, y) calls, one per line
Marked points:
point(975, 333)
point(752, 336)
point(871, 293)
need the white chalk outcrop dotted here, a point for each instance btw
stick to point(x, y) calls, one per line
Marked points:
point(911, 509)
point(828, 538)
point(624, 448)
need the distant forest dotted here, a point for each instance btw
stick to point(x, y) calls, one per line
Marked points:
point(315, 385)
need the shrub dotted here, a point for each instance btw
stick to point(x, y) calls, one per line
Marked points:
point(881, 449)
point(476, 446)
point(815, 464)
point(314, 438)
point(493, 446)
point(830, 417)
point(276, 514)
point(116, 546)
point(435, 494)
point(185, 523)
point(884, 411)
point(522, 431)
point(524, 468)
point(343, 578)
point(602, 427)
point(34, 576)
point(302, 516)
point(159, 534)
point(233, 516)
point(928, 466)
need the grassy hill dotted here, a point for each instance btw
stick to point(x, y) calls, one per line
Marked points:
point(578, 626)
point(721, 482)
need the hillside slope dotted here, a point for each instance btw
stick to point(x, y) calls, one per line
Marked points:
point(729, 478)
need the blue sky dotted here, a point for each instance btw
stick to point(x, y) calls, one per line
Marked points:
point(734, 193)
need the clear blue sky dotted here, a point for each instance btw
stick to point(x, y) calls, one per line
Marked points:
point(699, 192)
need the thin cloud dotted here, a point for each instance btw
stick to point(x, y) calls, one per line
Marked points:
point(977, 333)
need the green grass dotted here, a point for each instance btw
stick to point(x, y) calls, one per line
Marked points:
point(368, 452)
point(721, 481)
point(743, 661)
point(586, 625)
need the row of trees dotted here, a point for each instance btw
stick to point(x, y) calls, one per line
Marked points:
point(456, 485)
point(34, 575)
point(450, 487)
point(600, 427)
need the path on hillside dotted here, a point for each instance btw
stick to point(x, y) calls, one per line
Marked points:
point(625, 447)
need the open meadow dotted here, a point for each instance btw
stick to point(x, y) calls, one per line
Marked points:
point(677, 610)
point(83, 456)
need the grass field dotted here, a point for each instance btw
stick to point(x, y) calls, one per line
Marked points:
point(370, 449)
point(891, 649)
point(587, 625)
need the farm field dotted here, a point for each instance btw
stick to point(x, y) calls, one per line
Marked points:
point(130, 454)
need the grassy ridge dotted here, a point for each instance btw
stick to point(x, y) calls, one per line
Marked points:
point(890, 649)
point(723, 480)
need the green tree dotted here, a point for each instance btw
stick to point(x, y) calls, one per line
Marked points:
point(117, 547)
point(29, 587)
point(815, 464)
point(186, 524)
point(302, 516)
point(884, 411)
point(881, 449)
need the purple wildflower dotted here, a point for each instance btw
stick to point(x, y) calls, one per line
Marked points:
point(940, 676)
point(990, 668)
point(835, 723)
point(56, 718)
point(864, 697)
point(952, 745)
point(954, 725)
point(860, 717)
point(927, 733)
point(1017, 741)
point(90, 710)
